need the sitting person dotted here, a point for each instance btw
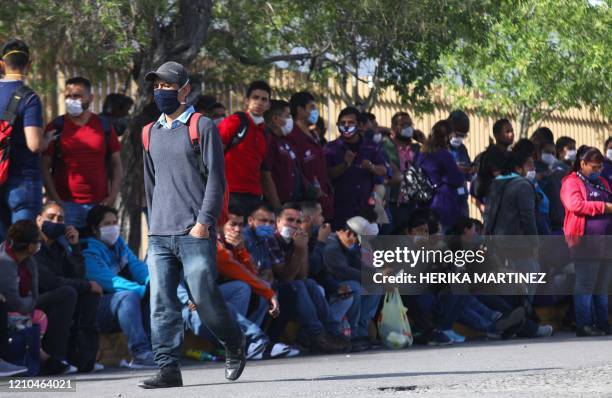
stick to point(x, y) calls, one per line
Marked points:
point(260, 242)
point(342, 256)
point(318, 329)
point(124, 279)
point(19, 285)
point(7, 369)
point(61, 267)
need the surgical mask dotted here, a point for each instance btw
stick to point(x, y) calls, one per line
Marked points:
point(594, 176)
point(570, 155)
point(264, 231)
point(288, 127)
point(74, 107)
point(257, 119)
point(377, 138)
point(609, 154)
point(531, 175)
point(548, 158)
point(217, 121)
point(53, 230)
point(287, 232)
point(166, 100)
point(347, 131)
point(407, 132)
point(456, 142)
point(314, 116)
point(109, 234)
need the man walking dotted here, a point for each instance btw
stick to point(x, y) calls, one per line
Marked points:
point(185, 184)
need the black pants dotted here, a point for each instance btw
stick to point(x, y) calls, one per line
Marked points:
point(3, 330)
point(84, 335)
point(58, 305)
point(245, 202)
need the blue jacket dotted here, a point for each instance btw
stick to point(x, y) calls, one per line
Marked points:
point(103, 264)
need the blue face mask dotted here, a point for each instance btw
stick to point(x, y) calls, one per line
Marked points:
point(314, 116)
point(53, 230)
point(353, 248)
point(263, 231)
point(166, 100)
point(594, 177)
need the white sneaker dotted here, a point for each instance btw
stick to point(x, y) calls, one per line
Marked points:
point(7, 369)
point(544, 331)
point(98, 367)
point(142, 361)
point(280, 350)
point(70, 369)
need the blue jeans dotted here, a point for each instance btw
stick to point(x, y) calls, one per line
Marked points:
point(20, 199)
point(477, 315)
point(362, 311)
point(317, 296)
point(76, 213)
point(446, 308)
point(124, 309)
point(169, 257)
point(590, 292)
point(235, 293)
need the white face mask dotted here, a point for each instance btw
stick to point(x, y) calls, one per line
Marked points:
point(257, 119)
point(456, 142)
point(531, 175)
point(548, 158)
point(377, 138)
point(287, 232)
point(74, 107)
point(570, 155)
point(609, 154)
point(288, 127)
point(407, 132)
point(109, 234)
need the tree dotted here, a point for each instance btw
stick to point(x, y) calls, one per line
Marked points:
point(397, 44)
point(540, 56)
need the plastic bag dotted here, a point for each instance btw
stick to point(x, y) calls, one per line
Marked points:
point(393, 326)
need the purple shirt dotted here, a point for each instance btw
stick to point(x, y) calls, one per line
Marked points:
point(354, 187)
point(600, 224)
point(607, 171)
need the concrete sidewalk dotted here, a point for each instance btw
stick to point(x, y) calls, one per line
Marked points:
point(561, 366)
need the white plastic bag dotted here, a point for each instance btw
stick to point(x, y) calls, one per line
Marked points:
point(393, 326)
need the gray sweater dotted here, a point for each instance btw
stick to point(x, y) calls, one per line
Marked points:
point(9, 284)
point(178, 195)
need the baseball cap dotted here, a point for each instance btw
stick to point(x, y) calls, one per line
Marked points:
point(361, 226)
point(170, 72)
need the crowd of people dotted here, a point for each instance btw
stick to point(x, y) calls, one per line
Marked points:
point(288, 247)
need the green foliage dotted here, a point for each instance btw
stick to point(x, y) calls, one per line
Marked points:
point(540, 56)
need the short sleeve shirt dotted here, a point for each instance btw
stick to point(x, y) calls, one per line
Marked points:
point(281, 162)
point(81, 170)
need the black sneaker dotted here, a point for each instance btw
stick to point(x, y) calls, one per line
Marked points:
point(53, 366)
point(589, 331)
point(166, 378)
point(438, 338)
point(235, 362)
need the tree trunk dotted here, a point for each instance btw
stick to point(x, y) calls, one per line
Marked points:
point(524, 121)
point(179, 40)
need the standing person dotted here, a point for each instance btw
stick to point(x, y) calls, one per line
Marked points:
point(607, 166)
point(444, 174)
point(588, 215)
point(401, 150)
point(84, 160)
point(21, 195)
point(245, 142)
point(460, 127)
point(566, 153)
point(116, 109)
point(310, 151)
point(281, 174)
point(353, 164)
point(183, 209)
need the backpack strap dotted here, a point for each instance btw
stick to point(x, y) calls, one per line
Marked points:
point(10, 113)
point(242, 131)
point(58, 125)
point(194, 139)
point(146, 136)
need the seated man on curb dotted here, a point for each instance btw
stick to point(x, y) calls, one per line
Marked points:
point(318, 330)
point(342, 256)
point(124, 279)
point(61, 266)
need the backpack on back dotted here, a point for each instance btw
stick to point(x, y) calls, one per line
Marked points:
point(194, 139)
point(7, 122)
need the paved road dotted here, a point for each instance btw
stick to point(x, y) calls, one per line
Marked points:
point(562, 366)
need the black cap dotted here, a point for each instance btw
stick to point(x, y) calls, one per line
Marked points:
point(15, 46)
point(170, 72)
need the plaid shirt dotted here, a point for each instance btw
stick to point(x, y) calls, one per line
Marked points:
point(265, 252)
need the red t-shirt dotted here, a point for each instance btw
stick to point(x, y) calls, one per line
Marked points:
point(243, 161)
point(281, 161)
point(81, 175)
point(314, 165)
